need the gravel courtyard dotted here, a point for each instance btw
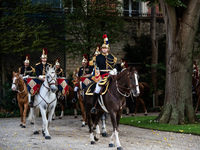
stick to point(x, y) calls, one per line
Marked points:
point(67, 134)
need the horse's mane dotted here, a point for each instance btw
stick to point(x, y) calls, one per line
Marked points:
point(123, 72)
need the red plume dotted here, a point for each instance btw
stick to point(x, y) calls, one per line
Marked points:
point(104, 36)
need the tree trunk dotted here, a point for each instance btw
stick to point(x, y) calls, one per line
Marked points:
point(154, 56)
point(181, 27)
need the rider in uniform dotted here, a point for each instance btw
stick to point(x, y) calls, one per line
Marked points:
point(59, 71)
point(26, 70)
point(40, 69)
point(84, 70)
point(106, 63)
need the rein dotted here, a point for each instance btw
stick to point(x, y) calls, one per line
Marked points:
point(17, 85)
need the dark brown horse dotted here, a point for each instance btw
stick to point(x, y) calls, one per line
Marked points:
point(144, 90)
point(19, 85)
point(62, 100)
point(196, 87)
point(114, 101)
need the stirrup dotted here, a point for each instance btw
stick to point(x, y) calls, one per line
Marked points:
point(93, 110)
point(73, 100)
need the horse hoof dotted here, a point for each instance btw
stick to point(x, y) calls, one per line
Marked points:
point(47, 137)
point(83, 125)
point(60, 117)
point(36, 132)
point(53, 119)
point(145, 114)
point(23, 126)
point(96, 139)
point(133, 115)
point(119, 148)
point(75, 117)
point(43, 133)
point(20, 125)
point(105, 134)
point(92, 142)
point(32, 123)
point(111, 145)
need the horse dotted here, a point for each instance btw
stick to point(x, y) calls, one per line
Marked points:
point(114, 101)
point(196, 87)
point(19, 85)
point(46, 100)
point(144, 90)
point(68, 96)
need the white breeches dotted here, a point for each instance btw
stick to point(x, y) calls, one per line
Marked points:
point(98, 88)
point(75, 88)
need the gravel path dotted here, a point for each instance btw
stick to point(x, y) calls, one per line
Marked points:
point(67, 134)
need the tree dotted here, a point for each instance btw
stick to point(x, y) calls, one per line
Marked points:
point(154, 57)
point(25, 26)
point(181, 19)
point(88, 20)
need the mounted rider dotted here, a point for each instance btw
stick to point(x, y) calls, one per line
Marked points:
point(59, 71)
point(106, 64)
point(40, 69)
point(82, 71)
point(26, 70)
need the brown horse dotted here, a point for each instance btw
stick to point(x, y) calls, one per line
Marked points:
point(196, 87)
point(62, 99)
point(144, 89)
point(114, 101)
point(19, 85)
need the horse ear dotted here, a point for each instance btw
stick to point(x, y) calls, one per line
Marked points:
point(13, 72)
point(130, 68)
point(47, 68)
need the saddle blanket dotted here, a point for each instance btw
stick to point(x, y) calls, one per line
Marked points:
point(85, 81)
point(91, 88)
point(62, 86)
point(33, 85)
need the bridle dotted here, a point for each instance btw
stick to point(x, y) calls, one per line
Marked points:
point(48, 88)
point(123, 90)
point(17, 85)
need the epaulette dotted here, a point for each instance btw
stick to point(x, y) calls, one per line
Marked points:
point(115, 59)
point(37, 64)
point(20, 70)
point(78, 69)
point(49, 64)
point(33, 69)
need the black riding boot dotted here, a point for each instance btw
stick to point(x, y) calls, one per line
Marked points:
point(74, 100)
point(32, 101)
point(93, 110)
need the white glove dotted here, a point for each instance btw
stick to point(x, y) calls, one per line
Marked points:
point(113, 72)
point(25, 77)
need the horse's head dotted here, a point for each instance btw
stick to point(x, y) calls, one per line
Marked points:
point(51, 78)
point(133, 81)
point(16, 81)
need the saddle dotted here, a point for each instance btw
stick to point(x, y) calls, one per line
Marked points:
point(105, 83)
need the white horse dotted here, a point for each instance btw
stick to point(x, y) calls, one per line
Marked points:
point(46, 100)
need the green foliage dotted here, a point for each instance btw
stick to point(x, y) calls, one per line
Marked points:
point(176, 3)
point(87, 21)
point(149, 122)
point(25, 26)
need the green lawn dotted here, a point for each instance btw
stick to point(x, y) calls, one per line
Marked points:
point(149, 122)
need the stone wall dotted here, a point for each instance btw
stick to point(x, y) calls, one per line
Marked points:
point(134, 26)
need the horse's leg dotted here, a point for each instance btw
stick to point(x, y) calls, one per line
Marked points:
point(90, 124)
point(50, 114)
point(21, 112)
point(103, 120)
point(44, 123)
point(24, 115)
point(144, 107)
point(197, 104)
point(82, 110)
point(34, 114)
point(62, 109)
point(137, 105)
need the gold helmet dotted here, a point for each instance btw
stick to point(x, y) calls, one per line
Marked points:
point(44, 53)
point(106, 42)
point(27, 59)
point(57, 62)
